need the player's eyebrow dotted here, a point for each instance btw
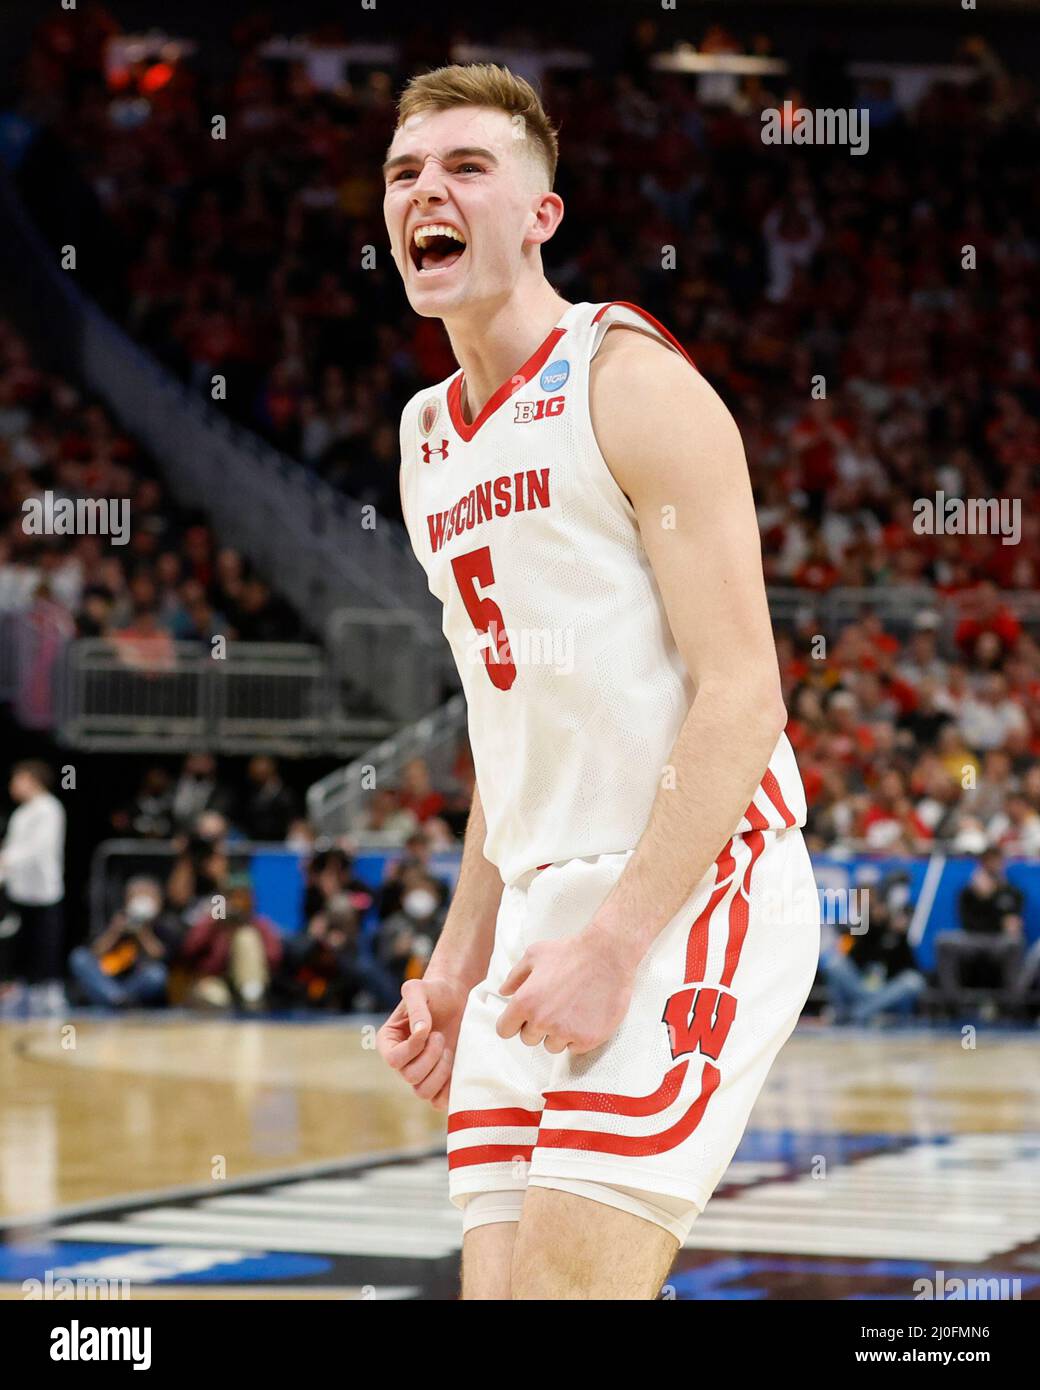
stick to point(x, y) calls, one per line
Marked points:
point(470, 151)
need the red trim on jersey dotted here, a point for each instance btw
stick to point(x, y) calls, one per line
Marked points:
point(489, 1153)
point(771, 787)
point(624, 304)
point(620, 1105)
point(544, 866)
point(508, 388)
point(740, 911)
point(640, 1146)
point(487, 1119)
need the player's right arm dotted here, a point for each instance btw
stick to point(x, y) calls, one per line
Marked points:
point(418, 1039)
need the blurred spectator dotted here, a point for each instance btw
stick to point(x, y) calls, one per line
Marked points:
point(987, 615)
point(143, 643)
point(261, 616)
point(989, 715)
point(231, 958)
point(126, 965)
point(197, 789)
point(417, 793)
point(990, 910)
point(383, 822)
point(330, 874)
point(417, 850)
point(407, 937)
point(874, 972)
point(325, 967)
point(43, 630)
point(150, 812)
point(269, 806)
point(32, 874)
point(300, 836)
point(1015, 830)
point(201, 867)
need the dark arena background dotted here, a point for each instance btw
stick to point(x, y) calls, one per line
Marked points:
point(215, 638)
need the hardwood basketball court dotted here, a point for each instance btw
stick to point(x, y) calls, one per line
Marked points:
point(254, 1159)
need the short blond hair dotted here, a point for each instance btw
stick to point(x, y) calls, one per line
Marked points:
point(484, 84)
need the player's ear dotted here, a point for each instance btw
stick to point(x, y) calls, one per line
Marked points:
point(547, 214)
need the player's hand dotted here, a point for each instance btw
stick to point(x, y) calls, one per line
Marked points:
point(570, 994)
point(418, 1039)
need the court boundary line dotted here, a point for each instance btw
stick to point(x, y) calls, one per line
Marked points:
point(189, 1191)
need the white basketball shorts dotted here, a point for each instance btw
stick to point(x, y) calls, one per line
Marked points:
point(662, 1106)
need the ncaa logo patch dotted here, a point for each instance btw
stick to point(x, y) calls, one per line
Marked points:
point(428, 412)
point(555, 375)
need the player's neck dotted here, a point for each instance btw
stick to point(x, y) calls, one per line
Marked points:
point(490, 350)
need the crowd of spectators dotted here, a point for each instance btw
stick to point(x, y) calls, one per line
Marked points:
point(791, 266)
point(161, 578)
point(191, 934)
point(246, 256)
point(904, 286)
point(984, 963)
point(929, 740)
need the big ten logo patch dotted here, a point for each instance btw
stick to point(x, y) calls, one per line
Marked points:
point(538, 410)
point(698, 1019)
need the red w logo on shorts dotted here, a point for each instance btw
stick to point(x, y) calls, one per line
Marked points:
point(698, 1020)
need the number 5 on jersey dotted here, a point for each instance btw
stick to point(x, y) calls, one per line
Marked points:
point(485, 615)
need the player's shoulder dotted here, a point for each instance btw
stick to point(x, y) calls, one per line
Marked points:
point(638, 376)
point(633, 363)
point(633, 347)
point(630, 343)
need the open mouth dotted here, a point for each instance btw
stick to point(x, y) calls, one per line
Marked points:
point(435, 247)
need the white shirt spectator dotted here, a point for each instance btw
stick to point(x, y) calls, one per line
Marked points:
point(1022, 838)
point(984, 725)
point(32, 860)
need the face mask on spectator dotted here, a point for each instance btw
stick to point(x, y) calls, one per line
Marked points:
point(141, 908)
point(419, 903)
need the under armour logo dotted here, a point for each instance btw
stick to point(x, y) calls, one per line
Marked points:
point(428, 452)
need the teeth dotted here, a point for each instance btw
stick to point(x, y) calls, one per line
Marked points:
point(422, 235)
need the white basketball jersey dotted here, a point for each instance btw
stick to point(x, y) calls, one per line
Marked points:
point(574, 686)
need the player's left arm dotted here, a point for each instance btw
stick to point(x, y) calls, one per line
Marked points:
point(675, 451)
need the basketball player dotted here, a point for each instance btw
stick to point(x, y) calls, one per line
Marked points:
point(636, 926)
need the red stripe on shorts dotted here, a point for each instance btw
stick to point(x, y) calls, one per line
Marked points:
point(489, 1153)
point(638, 1146)
point(490, 1119)
point(740, 911)
point(697, 943)
point(620, 1105)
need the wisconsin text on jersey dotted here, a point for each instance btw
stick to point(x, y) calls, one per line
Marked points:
point(520, 493)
